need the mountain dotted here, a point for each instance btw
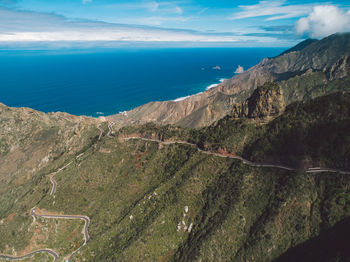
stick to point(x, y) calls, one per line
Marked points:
point(172, 194)
point(302, 72)
point(300, 46)
point(266, 101)
point(266, 177)
point(29, 139)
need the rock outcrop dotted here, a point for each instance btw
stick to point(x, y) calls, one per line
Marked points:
point(239, 70)
point(340, 69)
point(326, 59)
point(266, 101)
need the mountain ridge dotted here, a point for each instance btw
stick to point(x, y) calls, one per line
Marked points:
point(267, 181)
point(150, 199)
point(329, 56)
point(299, 46)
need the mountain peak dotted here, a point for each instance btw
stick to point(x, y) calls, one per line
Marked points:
point(300, 46)
point(301, 72)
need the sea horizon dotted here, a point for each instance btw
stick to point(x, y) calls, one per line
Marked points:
point(102, 82)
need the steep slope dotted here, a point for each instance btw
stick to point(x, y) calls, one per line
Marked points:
point(30, 142)
point(300, 46)
point(269, 181)
point(266, 101)
point(301, 137)
point(313, 64)
point(29, 138)
point(150, 194)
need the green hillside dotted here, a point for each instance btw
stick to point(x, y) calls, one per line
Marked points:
point(265, 176)
point(151, 201)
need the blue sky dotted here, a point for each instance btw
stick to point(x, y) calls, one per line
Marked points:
point(89, 23)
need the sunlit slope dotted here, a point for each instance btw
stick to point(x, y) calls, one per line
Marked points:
point(149, 198)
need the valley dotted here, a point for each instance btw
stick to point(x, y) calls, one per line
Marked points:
point(256, 169)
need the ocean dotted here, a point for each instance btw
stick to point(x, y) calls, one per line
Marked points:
point(105, 82)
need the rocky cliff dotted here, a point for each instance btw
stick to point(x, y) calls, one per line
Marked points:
point(236, 190)
point(165, 193)
point(266, 101)
point(302, 72)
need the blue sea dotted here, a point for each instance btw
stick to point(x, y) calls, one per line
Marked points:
point(105, 82)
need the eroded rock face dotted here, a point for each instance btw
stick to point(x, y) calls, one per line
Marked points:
point(266, 101)
point(328, 59)
point(340, 69)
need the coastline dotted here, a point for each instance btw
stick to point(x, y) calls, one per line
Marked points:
point(207, 88)
point(119, 86)
point(215, 85)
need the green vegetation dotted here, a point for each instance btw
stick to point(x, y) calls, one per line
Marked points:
point(300, 46)
point(312, 85)
point(311, 69)
point(314, 133)
point(318, 132)
point(151, 201)
point(4, 147)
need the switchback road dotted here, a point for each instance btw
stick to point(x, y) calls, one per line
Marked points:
point(110, 130)
point(49, 251)
point(75, 217)
point(84, 218)
point(53, 181)
point(34, 214)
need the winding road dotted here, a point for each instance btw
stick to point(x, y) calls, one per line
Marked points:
point(52, 178)
point(34, 214)
point(86, 219)
point(53, 175)
point(49, 251)
point(245, 161)
point(110, 129)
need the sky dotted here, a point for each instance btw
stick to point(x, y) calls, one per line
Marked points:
point(122, 23)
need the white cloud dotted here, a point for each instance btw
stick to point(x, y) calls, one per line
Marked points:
point(276, 9)
point(115, 34)
point(26, 26)
point(324, 20)
point(86, 1)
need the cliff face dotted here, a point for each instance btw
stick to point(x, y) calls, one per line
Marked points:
point(309, 67)
point(266, 101)
point(340, 69)
point(166, 193)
